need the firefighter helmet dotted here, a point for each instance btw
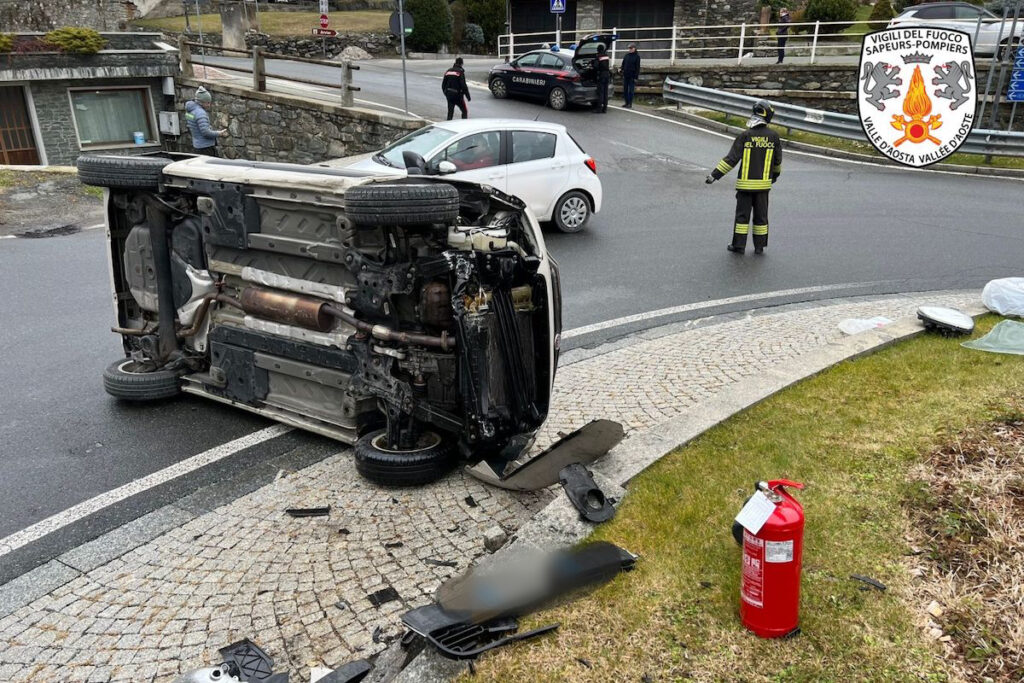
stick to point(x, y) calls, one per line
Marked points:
point(764, 110)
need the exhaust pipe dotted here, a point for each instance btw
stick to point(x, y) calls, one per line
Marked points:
point(286, 308)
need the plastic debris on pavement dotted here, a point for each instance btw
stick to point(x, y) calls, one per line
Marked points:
point(1004, 296)
point(858, 325)
point(1006, 337)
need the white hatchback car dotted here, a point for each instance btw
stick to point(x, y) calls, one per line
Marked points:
point(989, 33)
point(538, 162)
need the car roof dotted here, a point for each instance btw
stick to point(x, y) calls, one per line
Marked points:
point(473, 125)
point(941, 4)
point(562, 51)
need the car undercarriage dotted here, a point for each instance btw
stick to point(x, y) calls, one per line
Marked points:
point(416, 318)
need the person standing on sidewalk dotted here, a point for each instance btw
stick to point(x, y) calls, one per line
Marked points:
point(204, 137)
point(758, 150)
point(630, 72)
point(782, 33)
point(455, 89)
point(604, 77)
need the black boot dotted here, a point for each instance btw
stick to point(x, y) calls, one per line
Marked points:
point(734, 249)
point(760, 242)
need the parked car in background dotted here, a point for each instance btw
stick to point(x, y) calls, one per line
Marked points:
point(556, 76)
point(990, 35)
point(536, 161)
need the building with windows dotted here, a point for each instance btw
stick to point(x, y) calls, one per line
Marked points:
point(55, 106)
point(530, 16)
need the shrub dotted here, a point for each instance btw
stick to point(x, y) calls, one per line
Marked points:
point(490, 16)
point(831, 10)
point(432, 22)
point(83, 41)
point(881, 12)
point(473, 38)
point(6, 42)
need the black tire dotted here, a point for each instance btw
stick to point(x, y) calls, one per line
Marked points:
point(499, 88)
point(572, 211)
point(558, 99)
point(426, 464)
point(126, 381)
point(737, 533)
point(121, 172)
point(394, 204)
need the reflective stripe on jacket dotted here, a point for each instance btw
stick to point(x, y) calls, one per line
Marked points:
point(758, 151)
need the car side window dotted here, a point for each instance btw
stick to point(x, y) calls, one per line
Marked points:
point(528, 60)
point(530, 146)
point(479, 150)
point(968, 12)
point(934, 13)
point(551, 62)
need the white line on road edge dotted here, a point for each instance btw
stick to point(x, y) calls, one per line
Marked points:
point(104, 500)
point(930, 169)
point(701, 305)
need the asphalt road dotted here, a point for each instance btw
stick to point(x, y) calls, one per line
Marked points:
point(838, 229)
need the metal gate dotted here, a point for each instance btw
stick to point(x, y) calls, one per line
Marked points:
point(17, 142)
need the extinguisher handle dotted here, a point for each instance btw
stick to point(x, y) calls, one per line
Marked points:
point(776, 483)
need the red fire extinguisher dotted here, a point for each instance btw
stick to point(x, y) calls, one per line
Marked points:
point(770, 586)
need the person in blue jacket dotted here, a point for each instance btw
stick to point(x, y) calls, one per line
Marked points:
point(204, 137)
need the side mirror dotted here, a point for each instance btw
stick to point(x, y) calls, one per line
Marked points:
point(446, 167)
point(414, 163)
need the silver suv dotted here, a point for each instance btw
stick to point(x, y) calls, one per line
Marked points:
point(989, 33)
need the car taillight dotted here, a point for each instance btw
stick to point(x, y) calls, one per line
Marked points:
point(591, 164)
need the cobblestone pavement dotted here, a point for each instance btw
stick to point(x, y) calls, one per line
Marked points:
point(321, 591)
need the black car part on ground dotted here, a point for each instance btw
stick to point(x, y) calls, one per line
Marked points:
point(584, 446)
point(948, 322)
point(236, 287)
point(477, 611)
point(585, 495)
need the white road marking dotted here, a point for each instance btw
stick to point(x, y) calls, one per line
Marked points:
point(811, 154)
point(85, 508)
point(7, 237)
point(703, 305)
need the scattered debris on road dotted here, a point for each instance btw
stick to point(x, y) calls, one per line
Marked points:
point(585, 494)
point(383, 596)
point(1006, 337)
point(948, 322)
point(309, 512)
point(871, 583)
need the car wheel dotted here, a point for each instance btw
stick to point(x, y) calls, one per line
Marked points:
point(558, 99)
point(129, 380)
point(432, 458)
point(121, 172)
point(572, 211)
point(499, 88)
point(396, 204)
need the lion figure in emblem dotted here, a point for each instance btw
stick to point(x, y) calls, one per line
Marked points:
point(879, 80)
point(956, 81)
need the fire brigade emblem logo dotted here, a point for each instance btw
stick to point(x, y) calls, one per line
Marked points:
point(904, 115)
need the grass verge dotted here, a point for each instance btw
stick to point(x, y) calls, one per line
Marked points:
point(855, 146)
point(280, 23)
point(852, 434)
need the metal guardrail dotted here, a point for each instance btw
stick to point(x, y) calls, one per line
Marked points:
point(846, 126)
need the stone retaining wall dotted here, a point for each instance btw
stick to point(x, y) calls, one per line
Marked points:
point(273, 127)
point(377, 44)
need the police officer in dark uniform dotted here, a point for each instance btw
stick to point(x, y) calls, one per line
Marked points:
point(604, 77)
point(758, 151)
point(455, 89)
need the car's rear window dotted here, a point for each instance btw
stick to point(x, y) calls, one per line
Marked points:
point(422, 141)
point(575, 142)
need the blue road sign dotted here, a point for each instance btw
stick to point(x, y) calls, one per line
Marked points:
point(1015, 95)
point(557, 6)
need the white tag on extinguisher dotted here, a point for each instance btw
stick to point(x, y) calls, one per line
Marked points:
point(756, 512)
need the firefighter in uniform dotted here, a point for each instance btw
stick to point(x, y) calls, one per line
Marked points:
point(455, 89)
point(758, 150)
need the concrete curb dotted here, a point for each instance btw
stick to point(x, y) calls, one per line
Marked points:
point(558, 524)
point(842, 154)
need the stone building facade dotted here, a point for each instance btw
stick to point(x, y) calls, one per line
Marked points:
point(55, 106)
point(46, 15)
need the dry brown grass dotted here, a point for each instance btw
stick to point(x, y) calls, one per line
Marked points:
point(968, 513)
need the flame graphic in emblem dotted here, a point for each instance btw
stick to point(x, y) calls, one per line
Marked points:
point(917, 105)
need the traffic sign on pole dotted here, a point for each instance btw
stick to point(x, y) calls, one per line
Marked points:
point(325, 21)
point(324, 32)
point(557, 6)
point(396, 23)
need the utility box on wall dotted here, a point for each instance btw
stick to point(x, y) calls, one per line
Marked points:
point(169, 123)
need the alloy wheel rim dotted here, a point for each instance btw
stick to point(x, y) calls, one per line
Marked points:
point(557, 99)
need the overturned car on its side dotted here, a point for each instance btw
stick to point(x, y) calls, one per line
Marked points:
point(415, 317)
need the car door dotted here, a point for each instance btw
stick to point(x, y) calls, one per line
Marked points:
point(535, 171)
point(524, 76)
point(477, 158)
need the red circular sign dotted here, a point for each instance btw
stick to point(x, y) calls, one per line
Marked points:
point(324, 21)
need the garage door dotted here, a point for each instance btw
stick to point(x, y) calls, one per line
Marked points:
point(627, 14)
point(17, 143)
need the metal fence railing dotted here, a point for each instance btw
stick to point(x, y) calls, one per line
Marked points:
point(846, 126)
point(738, 41)
point(257, 66)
